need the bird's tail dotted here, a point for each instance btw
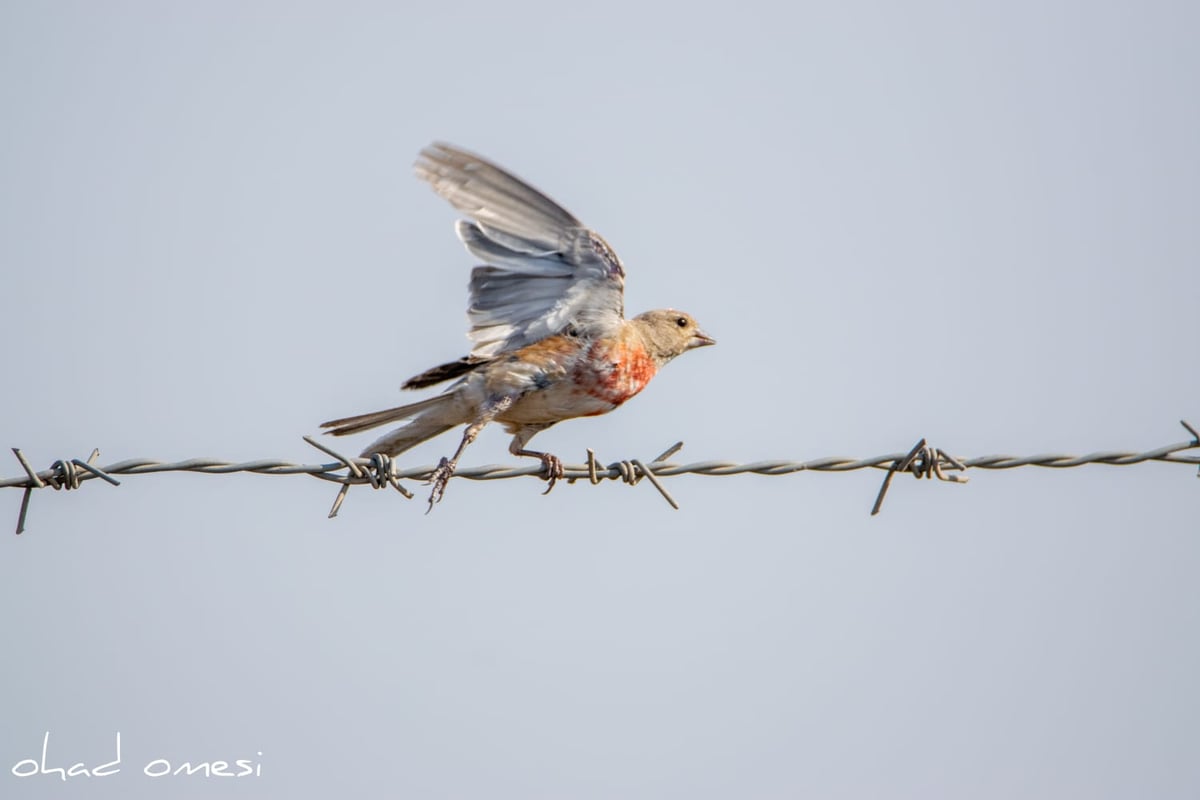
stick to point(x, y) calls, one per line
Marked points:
point(428, 417)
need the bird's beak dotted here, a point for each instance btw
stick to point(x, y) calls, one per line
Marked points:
point(700, 339)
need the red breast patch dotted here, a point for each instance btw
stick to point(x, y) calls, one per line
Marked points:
point(615, 372)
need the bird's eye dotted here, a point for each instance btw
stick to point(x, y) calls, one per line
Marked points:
point(682, 322)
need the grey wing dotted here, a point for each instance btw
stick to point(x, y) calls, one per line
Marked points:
point(544, 269)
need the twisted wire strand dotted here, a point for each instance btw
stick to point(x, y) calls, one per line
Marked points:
point(489, 472)
point(380, 472)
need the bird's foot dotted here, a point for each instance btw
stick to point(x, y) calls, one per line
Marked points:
point(552, 466)
point(439, 478)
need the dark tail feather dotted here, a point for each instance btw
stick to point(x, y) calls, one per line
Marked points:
point(444, 372)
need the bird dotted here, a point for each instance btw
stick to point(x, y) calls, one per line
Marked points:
point(550, 341)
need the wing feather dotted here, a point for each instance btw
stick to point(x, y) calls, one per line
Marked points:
point(544, 269)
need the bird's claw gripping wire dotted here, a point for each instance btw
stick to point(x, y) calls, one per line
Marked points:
point(439, 478)
point(552, 467)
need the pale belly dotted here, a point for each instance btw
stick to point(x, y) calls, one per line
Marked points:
point(562, 400)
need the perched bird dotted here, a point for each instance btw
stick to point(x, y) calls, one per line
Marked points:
point(551, 341)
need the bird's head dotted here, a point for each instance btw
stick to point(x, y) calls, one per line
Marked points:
point(669, 333)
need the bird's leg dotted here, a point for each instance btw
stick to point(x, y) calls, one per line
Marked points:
point(551, 464)
point(446, 467)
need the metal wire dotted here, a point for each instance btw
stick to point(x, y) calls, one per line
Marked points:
point(379, 472)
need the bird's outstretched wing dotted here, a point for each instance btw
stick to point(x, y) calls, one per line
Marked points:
point(544, 269)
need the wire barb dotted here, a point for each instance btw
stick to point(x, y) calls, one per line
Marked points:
point(631, 472)
point(61, 475)
point(922, 461)
point(378, 472)
point(1195, 438)
point(33, 476)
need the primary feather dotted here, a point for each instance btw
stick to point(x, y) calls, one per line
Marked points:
point(543, 269)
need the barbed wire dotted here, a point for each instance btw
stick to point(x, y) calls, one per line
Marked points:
point(378, 472)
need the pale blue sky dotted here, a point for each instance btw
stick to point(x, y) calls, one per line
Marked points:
point(970, 222)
